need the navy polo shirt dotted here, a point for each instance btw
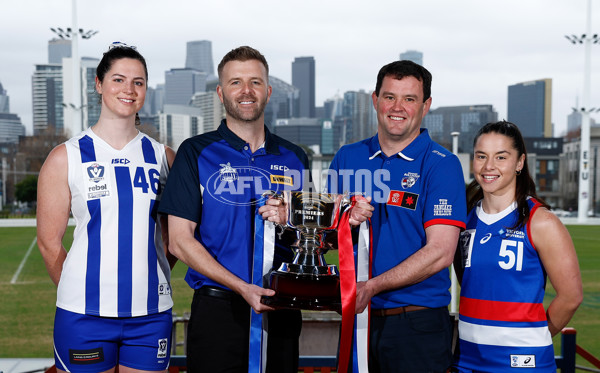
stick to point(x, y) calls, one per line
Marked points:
point(216, 181)
point(421, 186)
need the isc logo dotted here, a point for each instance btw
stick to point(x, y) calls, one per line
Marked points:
point(120, 161)
point(279, 167)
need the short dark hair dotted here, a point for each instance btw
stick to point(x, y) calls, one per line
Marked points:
point(118, 53)
point(402, 69)
point(243, 53)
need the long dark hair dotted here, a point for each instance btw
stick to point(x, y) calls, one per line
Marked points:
point(525, 185)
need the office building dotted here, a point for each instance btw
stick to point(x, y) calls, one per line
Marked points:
point(4, 100)
point(333, 107)
point(530, 107)
point(89, 111)
point(155, 98)
point(212, 110)
point(303, 78)
point(358, 106)
point(199, 56)
point(574, 122)
point(284, 98)
point(178, 122)
point(412, 55)
point(58, 49)
point(570, 173)
point(47, 98)
point(11, 128)
point(10, 124)
point(91, 105)
point(466, 120)
point(544, 160)
point(181, 84)
point(320, 135)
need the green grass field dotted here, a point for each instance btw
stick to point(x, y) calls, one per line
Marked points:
point(27, 307)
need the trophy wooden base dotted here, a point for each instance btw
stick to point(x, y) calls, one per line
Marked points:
point(304, 291)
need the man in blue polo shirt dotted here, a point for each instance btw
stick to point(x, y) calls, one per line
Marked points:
point(417, 208)
point(211, 197)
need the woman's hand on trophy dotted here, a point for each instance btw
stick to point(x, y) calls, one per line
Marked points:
point(274, 210)
point(361, 210)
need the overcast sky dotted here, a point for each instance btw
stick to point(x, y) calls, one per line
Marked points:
point(475, 49)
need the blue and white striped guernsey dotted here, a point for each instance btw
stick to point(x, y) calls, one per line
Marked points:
point(116, 266)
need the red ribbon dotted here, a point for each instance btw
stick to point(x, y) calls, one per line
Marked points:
point(347, 290)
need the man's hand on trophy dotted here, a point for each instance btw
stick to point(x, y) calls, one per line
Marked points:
point(361, 210)
point(252, 295)
point(274, 210)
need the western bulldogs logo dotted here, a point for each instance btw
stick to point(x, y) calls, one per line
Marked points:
point(409, 180)
point(95, 172)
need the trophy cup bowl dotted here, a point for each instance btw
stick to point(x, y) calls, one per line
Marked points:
point(309, 282)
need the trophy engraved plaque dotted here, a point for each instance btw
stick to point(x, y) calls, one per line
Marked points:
point(309, 282)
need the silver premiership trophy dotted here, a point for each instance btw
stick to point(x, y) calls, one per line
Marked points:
point(309, 282)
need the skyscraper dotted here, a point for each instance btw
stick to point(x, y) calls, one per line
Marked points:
point(466, 120)
point(303, 78)
point(91, 99)
point(211, 108)
point(530, 107)
point(284, 98)
point(199, 56)
point(58, 49)
point(412, 55)
point(47, 98)
point(358, 106)
point(181, 84)
point(10, 124)
point(4, 100)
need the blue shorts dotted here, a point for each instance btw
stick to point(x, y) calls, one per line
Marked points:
point(84, 343)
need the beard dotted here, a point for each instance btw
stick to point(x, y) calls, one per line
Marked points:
point(234, 111)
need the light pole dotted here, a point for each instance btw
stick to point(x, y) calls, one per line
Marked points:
point(454, 283)
point(587, 40)
point(73, 33)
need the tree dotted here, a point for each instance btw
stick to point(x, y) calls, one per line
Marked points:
point(26, 190)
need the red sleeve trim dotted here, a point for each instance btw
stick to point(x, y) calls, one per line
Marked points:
point(532, 211)
point(457, 223)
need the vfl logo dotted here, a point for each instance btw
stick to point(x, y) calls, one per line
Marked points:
point(485, 238)
point(227, 173)
point(95, 172)
point(162, 348)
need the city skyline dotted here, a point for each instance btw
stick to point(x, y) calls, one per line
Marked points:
point(474, 55)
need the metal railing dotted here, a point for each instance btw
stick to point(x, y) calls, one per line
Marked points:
point(327, 364)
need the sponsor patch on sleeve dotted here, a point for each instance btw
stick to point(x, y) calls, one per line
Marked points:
point(403, 199)
point(280, 179)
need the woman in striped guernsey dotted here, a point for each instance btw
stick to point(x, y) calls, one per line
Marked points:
point(114, 299)
point(511, 242)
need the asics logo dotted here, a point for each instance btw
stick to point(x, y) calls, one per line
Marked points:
point(485, 238)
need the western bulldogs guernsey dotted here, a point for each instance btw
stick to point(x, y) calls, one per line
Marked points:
point(502, 323)
point(116, 266)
